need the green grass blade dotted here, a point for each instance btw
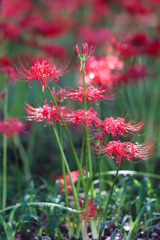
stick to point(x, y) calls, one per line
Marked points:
point(102, 228)
point(7, 229)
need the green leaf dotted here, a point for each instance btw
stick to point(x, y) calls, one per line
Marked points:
point(7, 228)
point(102, 228)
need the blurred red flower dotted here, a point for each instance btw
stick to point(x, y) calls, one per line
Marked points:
point(11, 126)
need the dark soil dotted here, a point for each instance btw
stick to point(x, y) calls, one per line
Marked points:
point(30, 234)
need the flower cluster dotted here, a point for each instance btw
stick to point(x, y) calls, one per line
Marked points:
point(93, 94)
point(126, 150)
point(90, 213)
point(41, 70)
point(74, 176)
point(117, 127)
point(11, 126)
point(46, 113)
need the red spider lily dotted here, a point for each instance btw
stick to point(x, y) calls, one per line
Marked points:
point(93, 94)
point(118, 127)
point(58, 95)
point(136, 72)
point(90, 213)
point(136, 7)
point(10, 30)
point(80, 116)
point(95, 36)
point(138, 44)
point(53, 50)
point(2, 94)
point(5, 67)
point(74, 176)
point(45, 113)
point(41, 70)
point(85, 51)
point(119, 150)
point(153, 48)
point(99, 70)
point(11, 126)
point(19, 8)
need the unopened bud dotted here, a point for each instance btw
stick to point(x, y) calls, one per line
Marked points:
point(76, 50)
point(2, 94)
point(91, 49)
point(84, 48)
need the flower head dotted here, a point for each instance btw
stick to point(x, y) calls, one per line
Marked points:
point(11, 126)
point(41, 70)
point(81, 116)
point(85, 51)
point(118, 127)
point(89, 213)
point(100, 70)
point(126, 150)
point(74, 176)
point(46, 113)
point(93, 94)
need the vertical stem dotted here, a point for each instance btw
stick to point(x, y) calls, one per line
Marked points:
point(25, 160)
point(18, 178)
point(81, 163)
point(67, 167)
point(88, 162)
point(69, 139)
point(4, 177)
point(88, 151)
point(110, 195)
point(65, 182)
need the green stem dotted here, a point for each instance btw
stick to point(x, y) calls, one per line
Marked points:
point(100, 189)
point(65, 182)
point(69, 138)
point(110, 195)
point(67, 167)
point(4, 178)
point(81, 163)
point(18, 178)
point(88, 163)
point(24, 157)
point(86, 129)
point(94, 172)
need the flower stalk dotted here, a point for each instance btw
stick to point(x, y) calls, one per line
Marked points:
point(110, 195)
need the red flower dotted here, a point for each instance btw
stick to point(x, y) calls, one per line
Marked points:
point(99, 70)
point(118, 126)
point(41, 70)
point(118, 150)
point(81, 116)
point(85, 51)
point(93, 94)
point(136, 7)
point(5, 67)
point(45, 113)
point(12, 126)
point(53, 50)
point(89, 213)
point(74, 176)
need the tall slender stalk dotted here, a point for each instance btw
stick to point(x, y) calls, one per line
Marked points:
point(24, 157)
point(65, 183)
point(110, 195)
point(88, 161)
point(4, 171)
point(69, 139)
point(18, 177)
point(67, 167)
point(88, 150)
